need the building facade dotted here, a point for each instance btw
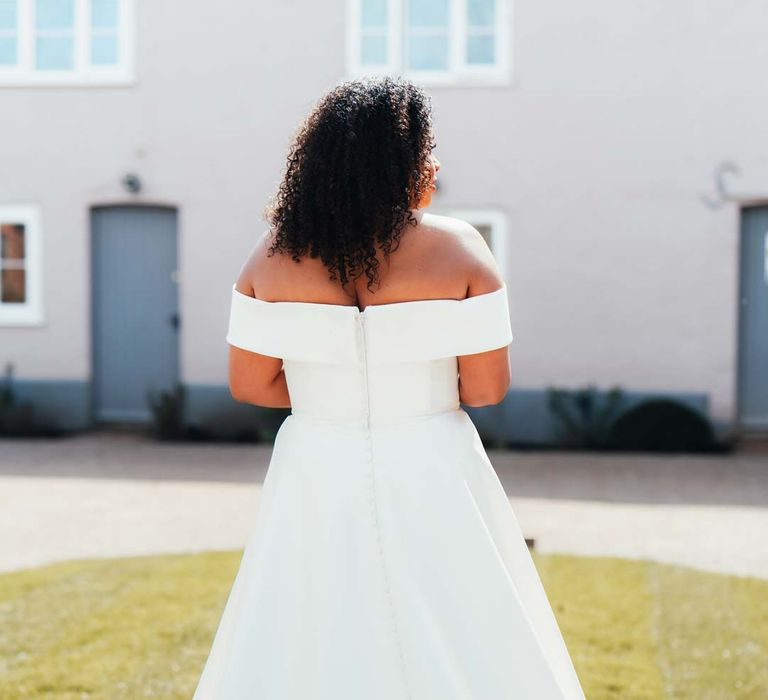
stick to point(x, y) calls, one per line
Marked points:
point(614, 155)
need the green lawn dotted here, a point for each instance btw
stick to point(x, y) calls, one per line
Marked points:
point(141, 628)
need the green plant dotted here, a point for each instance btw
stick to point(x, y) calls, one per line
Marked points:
point(168, 412)
point(19, 419)
point(584, 416)
point(7, 397)
point(663, 425)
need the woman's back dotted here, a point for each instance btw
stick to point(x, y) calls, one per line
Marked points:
point(438, 258)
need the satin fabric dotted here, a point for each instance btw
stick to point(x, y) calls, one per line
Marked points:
point(385, 561)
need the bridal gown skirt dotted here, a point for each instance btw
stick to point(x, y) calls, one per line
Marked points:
point(385, 561)
point(386, 565)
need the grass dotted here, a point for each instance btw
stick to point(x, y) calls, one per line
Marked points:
point(141, 628)
point(645, 631)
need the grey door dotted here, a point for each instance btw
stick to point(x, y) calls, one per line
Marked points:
point(134, 309)
point(753, 319)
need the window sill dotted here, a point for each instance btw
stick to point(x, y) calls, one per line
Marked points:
point(462, 82)
point(447, 80)
point(21, 319)
point(67, 80)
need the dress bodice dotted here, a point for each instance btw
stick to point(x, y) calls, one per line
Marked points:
point(386, 363)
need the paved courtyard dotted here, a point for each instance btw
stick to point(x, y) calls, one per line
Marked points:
point(116, 494)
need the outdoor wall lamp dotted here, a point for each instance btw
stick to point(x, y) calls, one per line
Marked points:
point(132, 183)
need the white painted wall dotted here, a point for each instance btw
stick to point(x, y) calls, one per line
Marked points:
point(600, 152)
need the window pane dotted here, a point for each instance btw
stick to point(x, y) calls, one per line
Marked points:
point(480, 13)
point(104, 50)
point(428, 13)
point(7, 51)
point(104, 13)
point(54, 53)
point(428, 52)
point(12, 241)
point(12, 277)
point(374, 50)
point(54, 14)
point(486, 232)
point(374, 13)
point(54, 50)
point(480, 49)
point(7, 14)
point(13, 287)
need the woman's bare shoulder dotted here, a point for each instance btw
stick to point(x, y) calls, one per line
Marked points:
point(468, 250)
point(260, 270)
point(442, 223)
point(278, 277)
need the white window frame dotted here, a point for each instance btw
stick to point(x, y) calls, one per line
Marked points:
point(24, 72)
point(458, 73)
point(496, 220)
point(29, 312)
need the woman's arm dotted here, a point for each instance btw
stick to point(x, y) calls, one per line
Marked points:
point(485, 377)
point(257, 379)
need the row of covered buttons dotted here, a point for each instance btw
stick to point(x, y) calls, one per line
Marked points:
point(372, 501)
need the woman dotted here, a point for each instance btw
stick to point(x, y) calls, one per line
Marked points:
point(385, 562)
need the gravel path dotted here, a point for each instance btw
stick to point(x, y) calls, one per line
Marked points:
point(116, 494)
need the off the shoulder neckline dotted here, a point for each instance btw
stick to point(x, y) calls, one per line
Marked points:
point(356, 309)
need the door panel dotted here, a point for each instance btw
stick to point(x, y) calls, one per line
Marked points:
point(134, 309)
point(753, 319)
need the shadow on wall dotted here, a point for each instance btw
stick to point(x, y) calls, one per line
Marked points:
point(593, 419)
point(554, 418)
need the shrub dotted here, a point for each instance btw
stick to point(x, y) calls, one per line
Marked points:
point(663, 425)
point(19, 419)
point(168, 413)
point(583, 416)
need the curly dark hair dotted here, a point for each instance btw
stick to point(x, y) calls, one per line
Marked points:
point(355, 169)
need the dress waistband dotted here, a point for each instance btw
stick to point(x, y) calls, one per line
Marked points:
point(363, 421)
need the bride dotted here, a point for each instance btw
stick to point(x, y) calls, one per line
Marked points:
point(385, 562)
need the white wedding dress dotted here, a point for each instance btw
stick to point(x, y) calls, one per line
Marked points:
point(385, 561)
